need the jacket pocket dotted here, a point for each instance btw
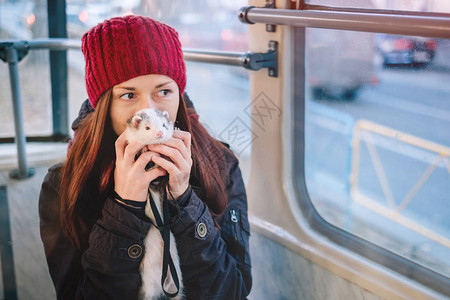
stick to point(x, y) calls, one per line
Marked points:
point(235, 231)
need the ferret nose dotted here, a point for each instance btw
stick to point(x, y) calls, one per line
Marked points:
point(159, 134)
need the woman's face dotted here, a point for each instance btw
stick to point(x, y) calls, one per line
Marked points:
point(148, 91)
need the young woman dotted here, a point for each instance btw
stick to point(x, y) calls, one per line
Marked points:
point(92, 239)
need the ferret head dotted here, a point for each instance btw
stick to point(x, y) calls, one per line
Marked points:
point(149, 126)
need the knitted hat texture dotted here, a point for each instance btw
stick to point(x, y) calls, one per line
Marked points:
point(122, 48)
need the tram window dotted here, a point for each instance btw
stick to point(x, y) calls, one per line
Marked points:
point(191, 19)
point(376, 149)
point(221, 98)
point(434, 6)
point(25, 20)
point(35, 92)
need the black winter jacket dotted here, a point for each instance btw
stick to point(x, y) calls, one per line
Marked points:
point(215, 266)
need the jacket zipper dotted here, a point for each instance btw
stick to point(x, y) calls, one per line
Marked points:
point(234, 219)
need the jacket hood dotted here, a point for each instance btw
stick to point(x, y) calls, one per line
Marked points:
point(86, 109)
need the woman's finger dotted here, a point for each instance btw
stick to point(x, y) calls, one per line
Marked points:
point(175, 154)
point(155, 173)
point(178, 177)
point(167, 165)
point(185, 136)
point(120, 144)
point(144, 159)
point(131, 150)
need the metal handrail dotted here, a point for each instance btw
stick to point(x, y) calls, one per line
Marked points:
point(216, 57)
point(427, 26)
point(206, 56)
point(55, 44)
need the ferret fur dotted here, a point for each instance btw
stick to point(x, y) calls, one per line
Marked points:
point(149, 126)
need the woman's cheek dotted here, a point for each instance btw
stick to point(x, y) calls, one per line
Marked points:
point(119, 123)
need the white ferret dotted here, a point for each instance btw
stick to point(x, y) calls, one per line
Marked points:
point(152, 126)
point(149, 126)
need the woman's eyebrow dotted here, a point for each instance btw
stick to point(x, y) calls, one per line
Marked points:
point(163, 84)
point(133, 89)
point(126, 88)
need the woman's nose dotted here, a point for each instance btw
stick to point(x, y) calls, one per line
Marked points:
point(147, 102)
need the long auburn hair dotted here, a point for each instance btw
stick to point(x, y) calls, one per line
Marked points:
point(90, 164)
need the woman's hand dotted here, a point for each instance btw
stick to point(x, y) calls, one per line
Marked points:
point(130, 178)
point(179, 164)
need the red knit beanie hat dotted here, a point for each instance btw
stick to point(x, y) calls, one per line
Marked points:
point(122, 48)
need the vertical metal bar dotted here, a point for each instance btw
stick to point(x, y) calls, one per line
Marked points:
point(58, 71)
point(58, 68)
point(6, 251)
point(297, 81)
point(13, 60)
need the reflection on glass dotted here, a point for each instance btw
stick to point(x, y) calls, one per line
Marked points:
point(377, 163)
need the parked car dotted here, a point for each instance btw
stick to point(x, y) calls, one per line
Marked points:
point(339, 63)
point(405, 50)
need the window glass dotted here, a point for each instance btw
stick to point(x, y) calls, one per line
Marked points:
point(437, 6)
point(221, 98)
point(376, 145)
point(200, 23)
point(24, 20)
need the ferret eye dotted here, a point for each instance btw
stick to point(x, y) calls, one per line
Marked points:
point(147, 128)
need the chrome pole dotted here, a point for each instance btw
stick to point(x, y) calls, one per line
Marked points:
point(428, 26)
point(216, 57)
point(241, 59)
point(13, 60)
point(55, 44)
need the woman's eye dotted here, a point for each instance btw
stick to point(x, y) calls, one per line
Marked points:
point(164, 93)
point(127, 96)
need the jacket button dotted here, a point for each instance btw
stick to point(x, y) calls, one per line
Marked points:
point(135, 251)
point(201, 230)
